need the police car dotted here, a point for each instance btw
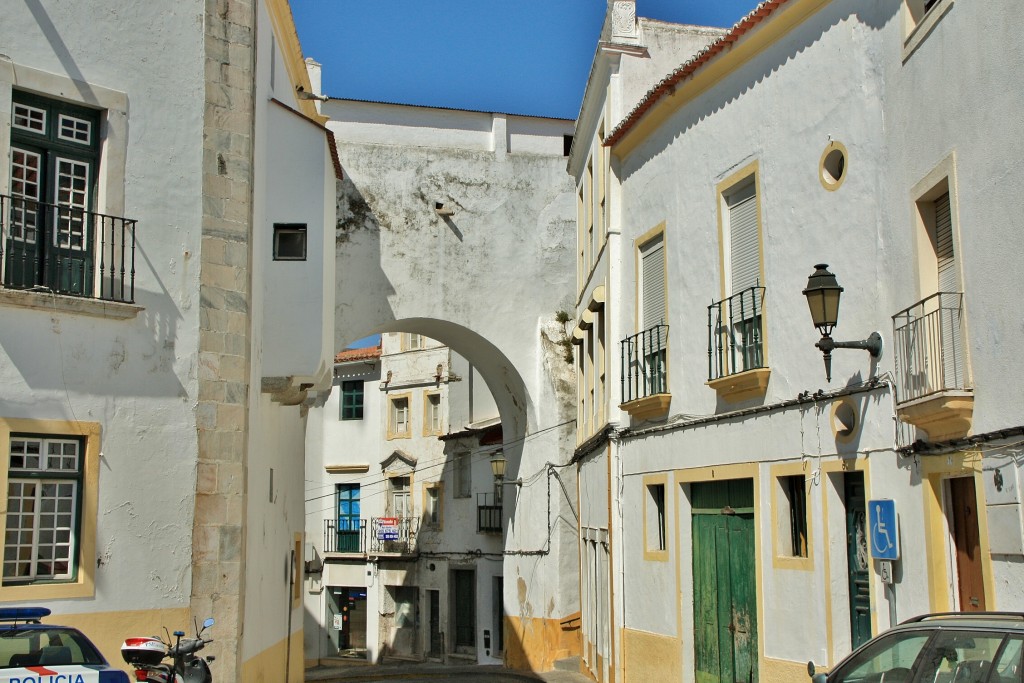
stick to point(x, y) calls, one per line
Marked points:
point(34, 652)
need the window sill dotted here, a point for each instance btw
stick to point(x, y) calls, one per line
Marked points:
point(649, 407)
point(49, 302)
point(742, 386)
point(944, 416)
point(917, 35)
point(32, 593)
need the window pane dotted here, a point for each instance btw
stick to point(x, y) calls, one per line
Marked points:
point(895, 654)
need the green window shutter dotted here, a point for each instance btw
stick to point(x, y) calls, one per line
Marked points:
point(744, 239)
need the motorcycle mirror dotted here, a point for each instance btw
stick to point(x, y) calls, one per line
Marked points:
point(208, 623)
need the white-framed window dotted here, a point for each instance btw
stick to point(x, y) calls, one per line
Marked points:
point(44, 484)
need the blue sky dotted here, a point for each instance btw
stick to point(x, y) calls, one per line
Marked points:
point(512, 56)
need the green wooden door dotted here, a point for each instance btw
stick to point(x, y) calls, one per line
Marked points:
point(857, 558)
point(725, 592)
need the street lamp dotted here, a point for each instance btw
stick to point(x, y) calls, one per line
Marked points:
point(498, 463)
point(822, 294)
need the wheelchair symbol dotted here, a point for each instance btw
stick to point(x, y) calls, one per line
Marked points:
point(880, 538)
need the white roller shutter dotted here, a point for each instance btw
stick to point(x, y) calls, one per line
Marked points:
point(653, 283)
point(744, 239)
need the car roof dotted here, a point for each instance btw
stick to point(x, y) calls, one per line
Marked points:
point(1002, 621)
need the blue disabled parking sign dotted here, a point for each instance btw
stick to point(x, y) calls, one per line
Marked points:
point(884, 531)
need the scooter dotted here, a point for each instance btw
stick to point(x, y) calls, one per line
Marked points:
point(147, 655)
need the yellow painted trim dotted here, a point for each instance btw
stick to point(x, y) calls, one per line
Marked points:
point(785, 561)
point(288, 39)
point(84, 584)
point(753, 43)
point(391, 433)
point(655, 554)
point(942, 178)
point(782, 671)
point(267, 666)
point(917, 31)
point(829, 182)
point(837, 466)
point(749, 171)
point(361, 468)
point(427, 422)
point(439, 487)
point(388, 476)
point(934, 473)
point(638, 244)
point(947, 415)
point(650, 656)
point(742, 385)
point(649, 407)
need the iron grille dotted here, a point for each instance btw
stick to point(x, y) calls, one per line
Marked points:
point(393, 535)
point(488, 514)
point(344, 540)
point(736, 334)
point(66, 250)
point(644, 363)
point(930, 346)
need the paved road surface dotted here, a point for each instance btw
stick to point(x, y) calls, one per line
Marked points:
point(432, 673)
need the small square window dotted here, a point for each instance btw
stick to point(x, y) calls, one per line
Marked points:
point(289, 242)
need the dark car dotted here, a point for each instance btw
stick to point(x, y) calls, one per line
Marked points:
point(957, 647)
point(34, 652)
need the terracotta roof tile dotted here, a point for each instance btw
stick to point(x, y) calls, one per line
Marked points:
point(349, 355)
point(667, 85)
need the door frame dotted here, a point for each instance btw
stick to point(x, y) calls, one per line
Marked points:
point(680, 526)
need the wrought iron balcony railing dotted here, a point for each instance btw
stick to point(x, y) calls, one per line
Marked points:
point(393, 535)
point(644, 364)
point(351, 538)
point(930, 346)
point(66, 250)
point(488, 514)
point(735, 334)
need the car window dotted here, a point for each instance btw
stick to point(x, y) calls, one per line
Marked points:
point(21, 647)
point(960, 657)
point(889, 659)
point(1008, 665)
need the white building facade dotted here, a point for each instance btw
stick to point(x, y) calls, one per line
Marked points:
point(734, 477)
point(160, 256)
point(404, 527)
point(457, 225)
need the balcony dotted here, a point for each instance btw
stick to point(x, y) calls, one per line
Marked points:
point(488, 514)
point(931, 367)
point(645, 373)
point(347, 541)
point(66, 250)
point(386, 536)
point(736, 369)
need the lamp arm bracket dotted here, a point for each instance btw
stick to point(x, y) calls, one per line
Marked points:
point(873, 344)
